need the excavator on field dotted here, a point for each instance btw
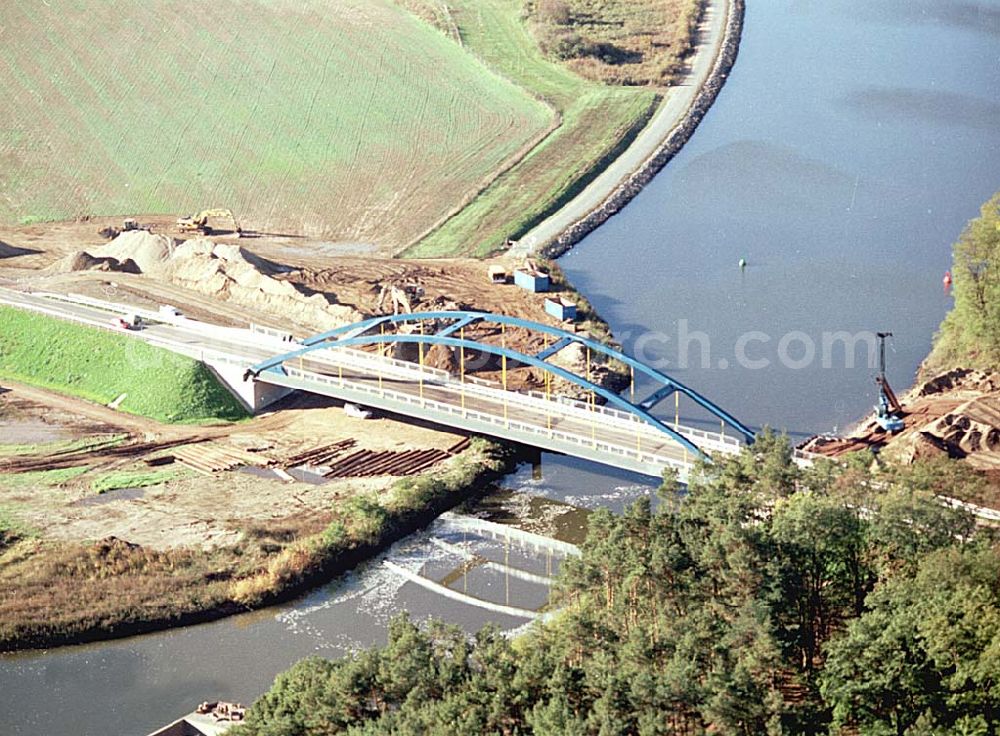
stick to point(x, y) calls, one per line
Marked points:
point(199, 222)
point(402, 298)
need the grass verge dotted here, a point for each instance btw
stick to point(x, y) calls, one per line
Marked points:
point(597, 123)
point(41, 478)
point(82, 444)
point(100, 366)
point(131, 479)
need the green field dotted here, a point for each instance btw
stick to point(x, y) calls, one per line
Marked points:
point(100, 366)
point(131, 479)
point(597, 121)
point(348, 120)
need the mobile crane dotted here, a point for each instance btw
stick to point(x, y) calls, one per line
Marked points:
point(888, 411)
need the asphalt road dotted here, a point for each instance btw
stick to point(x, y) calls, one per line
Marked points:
point(678, 100)
point(588, 428)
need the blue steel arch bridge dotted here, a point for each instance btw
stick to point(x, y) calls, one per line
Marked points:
point(349, 363)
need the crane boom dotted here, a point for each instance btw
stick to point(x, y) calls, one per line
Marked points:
point(888, 411)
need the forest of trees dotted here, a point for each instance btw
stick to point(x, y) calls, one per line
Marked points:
point(765, 599)
point(970, 334)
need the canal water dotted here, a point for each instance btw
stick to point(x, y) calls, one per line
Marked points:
point(851, 143)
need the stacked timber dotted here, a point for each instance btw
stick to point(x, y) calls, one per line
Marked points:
point(317, 456)
point(216, 458)
point(369, 463)
point(460, 446)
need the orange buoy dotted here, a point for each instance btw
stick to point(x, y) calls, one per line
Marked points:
point(947, 280)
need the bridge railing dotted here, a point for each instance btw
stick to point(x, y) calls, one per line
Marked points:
point(352, 357)
point(710, 441)
point(703, 438)
point(508, 424)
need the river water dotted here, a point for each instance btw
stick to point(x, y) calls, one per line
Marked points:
point(850, 145)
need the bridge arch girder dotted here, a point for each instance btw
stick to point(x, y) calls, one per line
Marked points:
point(356, 335)
point(389, 339)
point(640, 368)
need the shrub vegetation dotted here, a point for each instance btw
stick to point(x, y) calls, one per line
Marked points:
point(970, 334)
point(631, 42)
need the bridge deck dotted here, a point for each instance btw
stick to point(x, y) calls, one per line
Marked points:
point(548, 425)
point(594, 433)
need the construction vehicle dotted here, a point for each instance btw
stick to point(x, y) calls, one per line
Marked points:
point(401, 298)
point(888, 411)
point(128, 224)
point(127, 322)
point(199, 222)
point(497, 274)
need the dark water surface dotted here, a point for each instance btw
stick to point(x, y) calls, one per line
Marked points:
point(852, 142)
point(850, 145)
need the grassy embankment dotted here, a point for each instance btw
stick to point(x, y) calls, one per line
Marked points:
point(54, 592)
point(597, 122)
point(349, 121)
point(100, 366)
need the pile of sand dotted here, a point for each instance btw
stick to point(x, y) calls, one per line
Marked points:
point(920, 446)
point(443, 358)
point(83, 261)
point(149, 251)
point(226, 272)
point(232, 274)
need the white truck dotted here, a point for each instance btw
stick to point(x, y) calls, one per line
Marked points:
point(356, 411)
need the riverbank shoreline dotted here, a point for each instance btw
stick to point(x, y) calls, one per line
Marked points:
point(563, 230)
point(498, 460)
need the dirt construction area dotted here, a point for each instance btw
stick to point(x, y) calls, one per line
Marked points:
point(954, 415)
point(284, 283)
point(75, 471)
point(73, 256)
